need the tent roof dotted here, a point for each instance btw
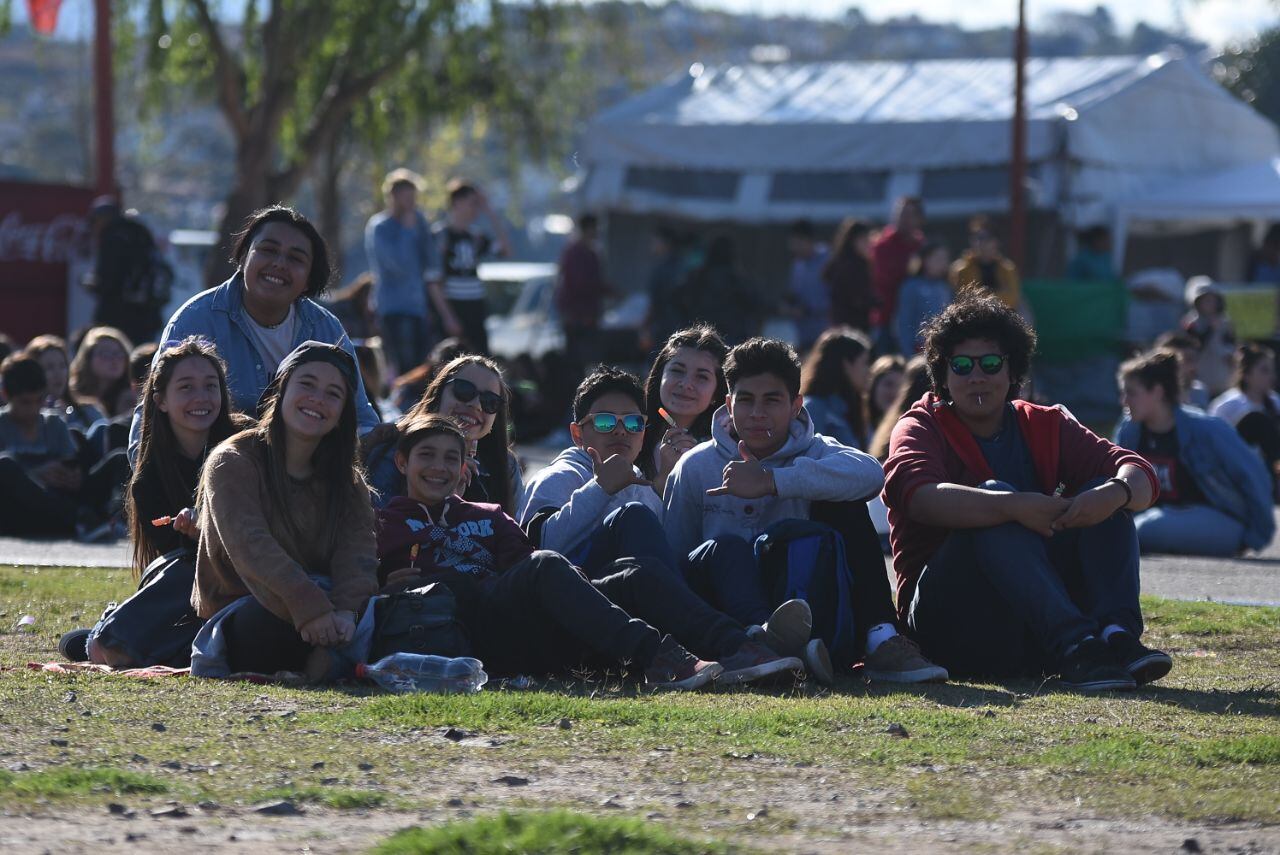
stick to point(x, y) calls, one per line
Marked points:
point(1250, 191)
point(1142, 112)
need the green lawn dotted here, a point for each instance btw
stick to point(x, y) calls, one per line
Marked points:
point(1202, 746)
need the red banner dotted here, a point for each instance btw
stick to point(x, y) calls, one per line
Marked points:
point(41, 225)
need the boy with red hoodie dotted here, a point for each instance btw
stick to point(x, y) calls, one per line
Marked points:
point(531, 611)
point(1011, 523)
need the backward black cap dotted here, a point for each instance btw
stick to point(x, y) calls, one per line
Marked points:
point(313, 351)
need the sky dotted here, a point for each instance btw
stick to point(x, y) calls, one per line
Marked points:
point(1217, 22)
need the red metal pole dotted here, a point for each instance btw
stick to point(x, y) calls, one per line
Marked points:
point(104, 172)
point(1018, 156)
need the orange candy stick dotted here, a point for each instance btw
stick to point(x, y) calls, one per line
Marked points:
point(662, 411)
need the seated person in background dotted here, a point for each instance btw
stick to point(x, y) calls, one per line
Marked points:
point(835, 382)
point(100, 369)
point(39, 476)
point(591, 503)
point(51, 352)
point(686, 380)
point(763, 465)
point(1194, 393)
point(286, 528)
point(531, 610)
point(1215, 493)
point(1252, 406)
point(1012, 552)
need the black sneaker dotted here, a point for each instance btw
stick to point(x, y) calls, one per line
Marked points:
point(74, 645)
point(674, 668)
point(1092, 667)
point(1143, 664)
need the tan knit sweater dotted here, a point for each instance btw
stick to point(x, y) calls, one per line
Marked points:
point(246, 547)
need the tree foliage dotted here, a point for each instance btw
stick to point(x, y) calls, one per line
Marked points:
point(293, 78)
point(1252, 71)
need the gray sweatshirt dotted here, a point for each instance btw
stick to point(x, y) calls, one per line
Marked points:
point(808, 468)
point(569, 484)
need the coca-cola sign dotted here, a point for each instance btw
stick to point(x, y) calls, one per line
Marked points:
point(41, 227)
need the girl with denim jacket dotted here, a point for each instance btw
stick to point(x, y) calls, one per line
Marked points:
point(1215, 492)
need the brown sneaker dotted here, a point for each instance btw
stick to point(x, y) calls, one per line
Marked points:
point(754, 661)
point(899, 660)
point(674, 668)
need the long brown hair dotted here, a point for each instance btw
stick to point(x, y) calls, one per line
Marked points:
point(825, 375)
point(158, 450)
point(334, 463)
point(880, 369)
point(492, 451)
point(914, 385)
point(843, 247)
point(85, 384)
point(702, 337)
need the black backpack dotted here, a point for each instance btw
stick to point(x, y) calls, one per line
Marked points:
point(423, 620)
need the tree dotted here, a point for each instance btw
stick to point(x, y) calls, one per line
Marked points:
point(1252, 71)
point(296, 80)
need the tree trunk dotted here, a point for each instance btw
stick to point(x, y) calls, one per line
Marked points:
point(252, 191)
point(329, 201)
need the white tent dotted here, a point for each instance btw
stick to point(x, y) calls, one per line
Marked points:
point(1251, 191)
point(768, 143)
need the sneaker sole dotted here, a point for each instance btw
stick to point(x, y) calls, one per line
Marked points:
point(932, 674)
point(697, 681)
point(818, 661)
point(757, 672)
point(1150, 668)
point(74, 645)
point(789, 628)
point(1102, 686)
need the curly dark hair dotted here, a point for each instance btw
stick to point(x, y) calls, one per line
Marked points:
point(978, 314)
point(600, 382)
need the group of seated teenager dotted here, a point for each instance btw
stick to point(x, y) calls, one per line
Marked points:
point(699, 529)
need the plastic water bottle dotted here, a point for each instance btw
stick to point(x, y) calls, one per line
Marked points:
point(415, 672)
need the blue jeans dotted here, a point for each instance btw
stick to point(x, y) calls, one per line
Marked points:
point(1005, 601)
point(1189, 530)
point(405, 340)
point(631, 531)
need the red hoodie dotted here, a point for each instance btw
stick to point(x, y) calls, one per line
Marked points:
point(459, 541)
point(890, 259)
point(930, 445)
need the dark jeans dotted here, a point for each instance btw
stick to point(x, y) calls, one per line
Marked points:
point(631, 531)
point(405, 340)
point(259, 641)
point(725, 571)
point(542, 615)
point(103, 479)
point(28, 508)
point(1004, 601)
point(471, 315)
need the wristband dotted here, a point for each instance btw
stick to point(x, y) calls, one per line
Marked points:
point(1128, 491)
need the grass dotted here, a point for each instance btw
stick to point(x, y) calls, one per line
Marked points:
point(1201, 746)
point(552, 833)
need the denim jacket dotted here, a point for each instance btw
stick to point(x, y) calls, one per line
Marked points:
point(218, 315)
point(1231, 475)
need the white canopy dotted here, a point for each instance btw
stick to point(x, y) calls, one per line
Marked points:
point(757, 143)
point(1243, 192)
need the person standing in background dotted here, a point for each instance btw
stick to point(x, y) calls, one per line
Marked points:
point(398, 242)
point(580, 293)
point(1093, 260)
point(984, 266)
point(891, 256)
point(130, 278)
point(455, 286)
point(1208, 323)
point(808, 294)
point(848, 276)
point(1264, 266)
point(666, 307)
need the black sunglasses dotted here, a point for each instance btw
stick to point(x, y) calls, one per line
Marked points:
point(990, 363)
point(465, 391)
point(608, 422)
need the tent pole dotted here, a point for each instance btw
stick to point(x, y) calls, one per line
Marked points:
point(104, 121)
point(1018, 159)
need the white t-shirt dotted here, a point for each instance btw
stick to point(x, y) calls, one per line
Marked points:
point(1233, 405)
point(274, 343)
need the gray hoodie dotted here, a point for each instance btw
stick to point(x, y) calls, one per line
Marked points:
point(808, 468)
point(569, 483)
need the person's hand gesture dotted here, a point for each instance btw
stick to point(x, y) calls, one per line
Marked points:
point(745, 478)
point(185, 523)
point(675, 442)
point(1039, 512)
point(616, 473)
point(1092, 507)
point(327, 630)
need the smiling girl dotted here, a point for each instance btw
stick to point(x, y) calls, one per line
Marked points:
point(100, 370)
point(284, 516)
point(688, 382)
